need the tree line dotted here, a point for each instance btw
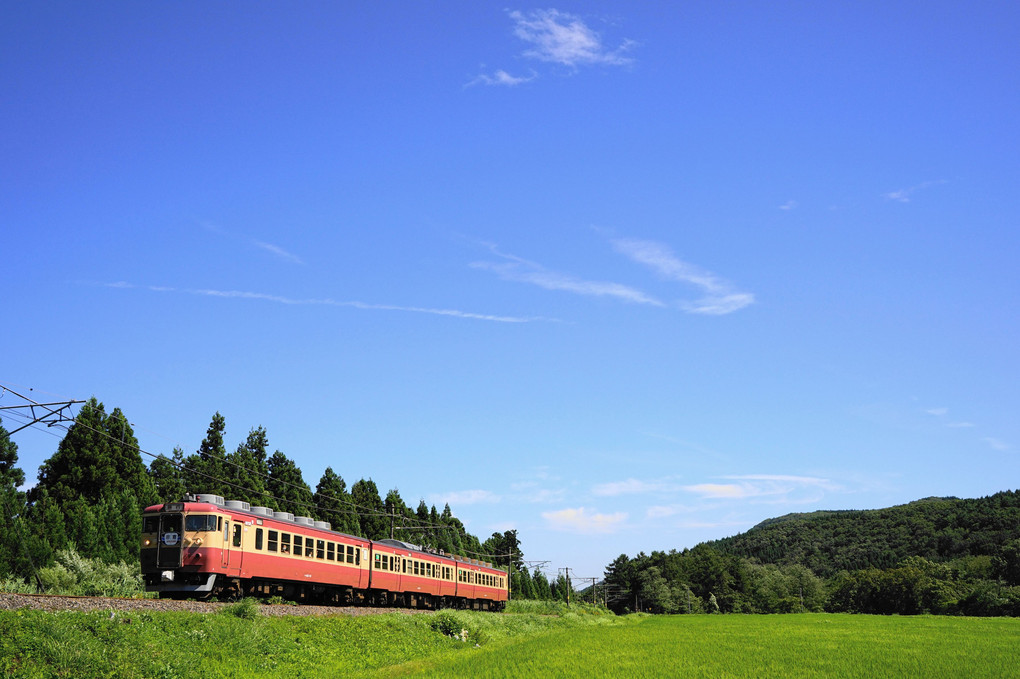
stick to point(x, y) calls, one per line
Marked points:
point(939, 555)
point(91, 492)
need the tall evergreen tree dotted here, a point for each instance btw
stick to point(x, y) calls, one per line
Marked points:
point(98, 455)
point(249, 468)
point(13, 506)
point(334, 503)
point(168, 477)
point(286, 483)
point(504, 549)
point(207, 471)
point(374, 523)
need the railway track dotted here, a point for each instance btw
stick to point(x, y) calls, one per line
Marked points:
point(60, 602)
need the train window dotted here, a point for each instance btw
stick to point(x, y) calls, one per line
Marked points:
point(320, 549)
point(274, 539)
point(378, 561)
point(350, 554)
point(150, 524)
point(226, 530)
point(309, 548)
point(357, 557)
point(258, 538)
point(330, 551)
point(394, 563)
point(405, 565)
point(237, 535)
point(194, 522)
point(285, 543)
point(297, 545)
point(219, 523)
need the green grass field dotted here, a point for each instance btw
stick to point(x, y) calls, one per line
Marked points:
point(812, 645)
point(240, 642)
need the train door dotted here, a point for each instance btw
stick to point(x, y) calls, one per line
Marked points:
point(169, 550)
point(225, 550)
point(235, 552)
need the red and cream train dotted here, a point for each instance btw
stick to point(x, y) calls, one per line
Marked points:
point(205, 546)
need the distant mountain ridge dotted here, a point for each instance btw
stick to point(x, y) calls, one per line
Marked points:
point(936, 528)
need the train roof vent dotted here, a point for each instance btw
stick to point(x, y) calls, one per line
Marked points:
point(238, 504)
point(262, 511)
point(306, 520)
point(286, 516)
point(323, 524)
point(211, 499)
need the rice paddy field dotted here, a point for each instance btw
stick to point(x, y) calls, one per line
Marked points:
point(810, 645)
point(239, 641)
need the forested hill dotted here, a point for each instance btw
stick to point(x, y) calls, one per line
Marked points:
point(937, 529)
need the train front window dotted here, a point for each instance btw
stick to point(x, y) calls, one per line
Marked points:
point(150, 524)
point(194, 522)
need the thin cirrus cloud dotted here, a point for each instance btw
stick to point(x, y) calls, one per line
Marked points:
point(630, 487)
point(514, 268)
point(277, 251)
point(559, 38)
point(501, 78)
point(904, 195)
point(290, 301)
point(719, 297)
point(464, 497)
point(581, 520)
point(775, 487)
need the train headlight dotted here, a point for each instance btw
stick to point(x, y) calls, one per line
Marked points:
point(197, 542)
point(147, 542)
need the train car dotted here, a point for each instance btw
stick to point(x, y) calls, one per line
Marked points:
point(205, 546)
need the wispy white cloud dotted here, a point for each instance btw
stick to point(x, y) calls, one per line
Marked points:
point(464, 497)
point(583, 521)
point(279, 299)
point(937, 412)
point(563, 38)
point(788, 205)
point(779, 488)
point(720, 296)
point(632, 487)
point(996, 444)
point(501, 78)
point(272, 249)
point(279, 252)
point(904, 195)
point(959, 425)
point(520, 270)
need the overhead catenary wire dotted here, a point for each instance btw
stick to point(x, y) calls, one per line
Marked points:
point(353, 507)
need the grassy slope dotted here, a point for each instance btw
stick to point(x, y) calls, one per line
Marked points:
point(184, 645)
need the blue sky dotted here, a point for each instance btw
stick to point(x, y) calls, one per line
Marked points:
point(621, 276)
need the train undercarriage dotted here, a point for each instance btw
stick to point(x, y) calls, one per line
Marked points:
point(203, 586)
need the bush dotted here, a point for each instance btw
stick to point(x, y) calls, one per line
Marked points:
point(246, 609)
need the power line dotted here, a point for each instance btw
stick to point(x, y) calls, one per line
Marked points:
point(366, 511)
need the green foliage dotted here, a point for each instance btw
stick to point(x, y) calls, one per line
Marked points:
point(937, 529)
point(287, 483)
point(98, 456)
point(246, 609)
point(374, 523)
point(75, 575)
point(168, 477)
point(334, 503)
